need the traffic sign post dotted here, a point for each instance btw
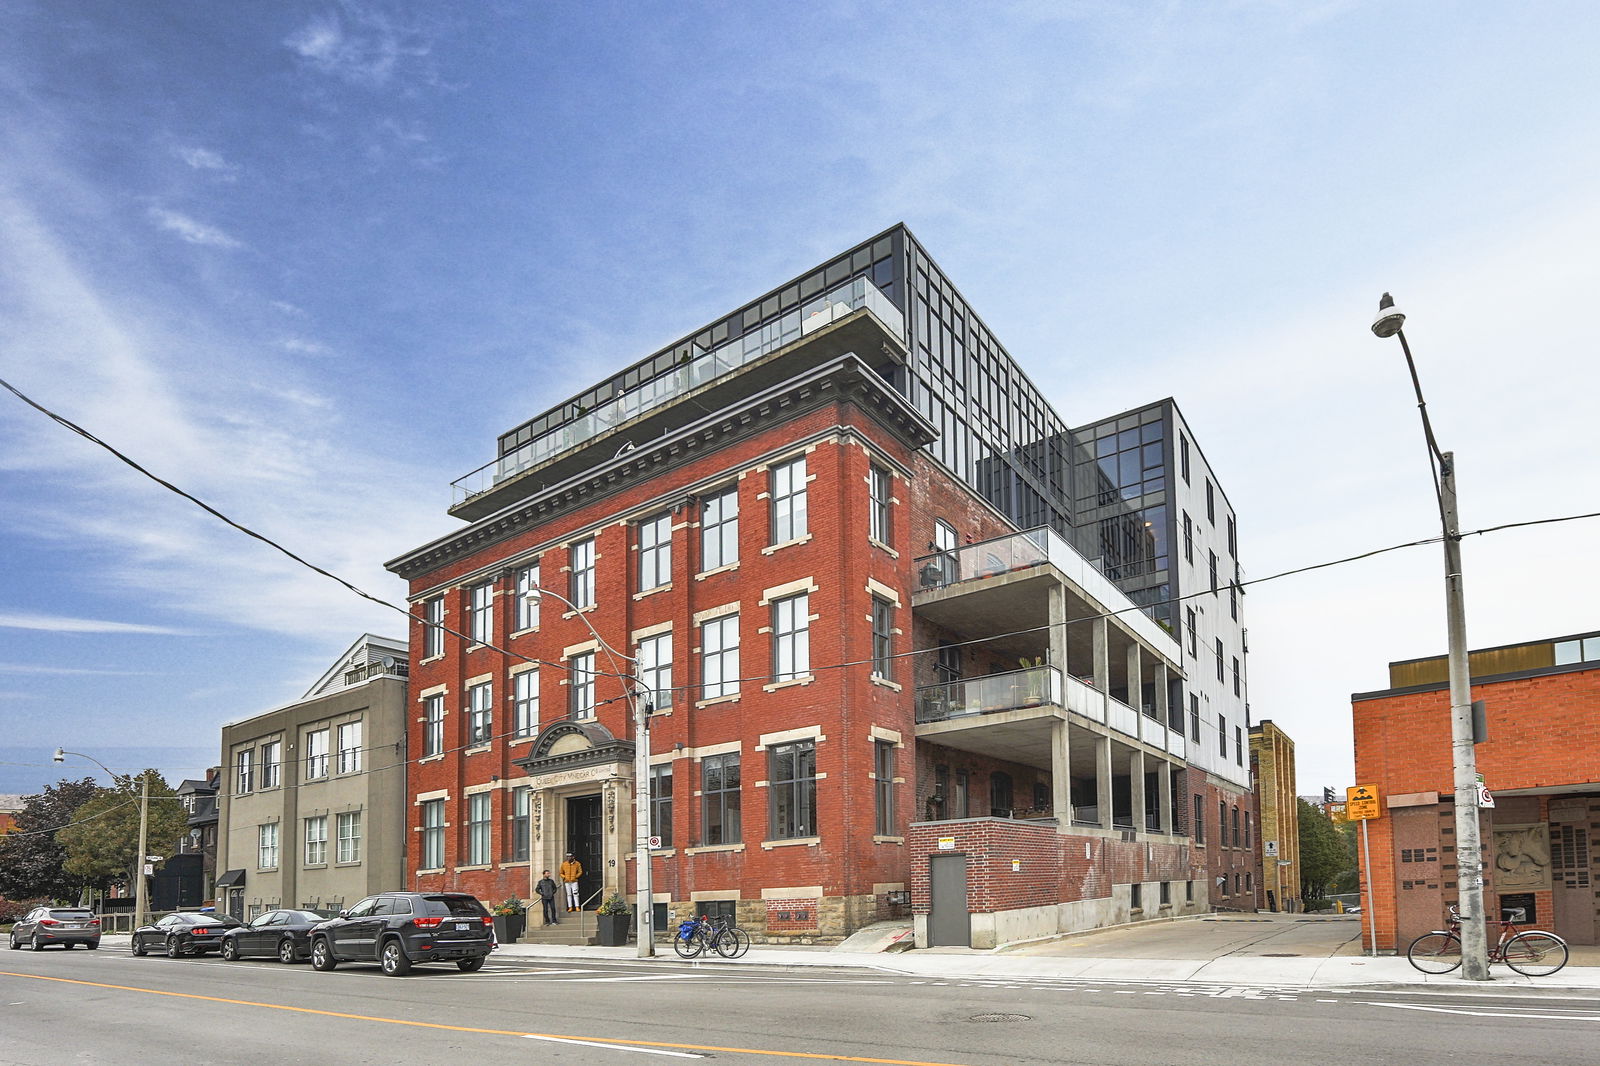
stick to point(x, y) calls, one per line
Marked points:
point(1361, 804)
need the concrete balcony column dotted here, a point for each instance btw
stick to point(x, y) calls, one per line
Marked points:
point(1135, 677)
point(1061, 774)
point(1058, 628)
point(1136, 785)
point(1102, 779)
point(1102, 655)
point(1162, 687)
point(1164, 788)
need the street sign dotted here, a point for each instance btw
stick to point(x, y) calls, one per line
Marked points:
point(149, 868)
point(154, 858)
point(947, 843)
point(1485, 798)
point(654, 843)
point(1361, 803)
point(1270, 848)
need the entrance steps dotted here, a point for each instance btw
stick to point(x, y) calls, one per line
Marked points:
point(567, 932)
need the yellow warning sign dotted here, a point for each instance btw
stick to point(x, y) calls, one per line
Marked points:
point(1361, 803)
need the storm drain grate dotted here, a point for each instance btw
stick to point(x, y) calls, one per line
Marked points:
point(998, 1017)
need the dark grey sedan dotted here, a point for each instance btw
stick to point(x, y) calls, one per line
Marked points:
point(275, 933)
point(66, 926)
point(184, 933)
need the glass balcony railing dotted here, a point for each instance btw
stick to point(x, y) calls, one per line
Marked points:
point(986, 695)
point(687, 377)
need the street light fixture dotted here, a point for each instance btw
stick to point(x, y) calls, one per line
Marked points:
point(644, 896)
point(140, 892)
point(1469, 859)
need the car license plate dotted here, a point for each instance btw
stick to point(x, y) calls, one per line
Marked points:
point(463, 926)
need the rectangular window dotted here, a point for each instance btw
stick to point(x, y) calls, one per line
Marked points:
point(1211, 503)
point(794, 789)
point(271, 763)
point(580, 585)
point(1199, 819)
point(1238, 688)
point(317, 754)
point(654, 656)
point(1233, 600)
point(480, 713)
point(527, 603)
point(478, 829)
point(1213, 556)
point(1236, 842)
point(1194, 717)
point(317, 840)
point(719, 657)
point(433, 834)
point(580, 686)
point(521, 811)
point(882, 639)
point(719, 798)
point(1220, 660)
point(348, 827)
point(1222, 734)
point(1233, 538)
point(1183, 456)
point(267, 846)
point(245, 779)
point(433, 725)
point(349, 747)
point(791, 637)
point(655, 551)
point(883, 790)
point(719, 529)
point(661, 803)
point(483, 613)
point(882, 488)
point(1238, 744)
point(788, 488)
point(433, 628)
point(1222, 823)
point(525, 703)
point(1189, 628)
point(1247, 835)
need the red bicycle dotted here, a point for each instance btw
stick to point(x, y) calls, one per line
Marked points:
point(1530, 952)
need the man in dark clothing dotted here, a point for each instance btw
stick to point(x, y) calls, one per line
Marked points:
point(546, 891)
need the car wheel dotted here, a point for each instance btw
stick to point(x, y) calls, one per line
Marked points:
point(393, 959)
point(230, 949)
point(286, 951)
point(137, 946)
point(93, 945)
point(33, 942)
point(173, 950)
point(470, 965)
point(322, 955)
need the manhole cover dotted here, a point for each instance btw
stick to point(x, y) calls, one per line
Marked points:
point(1280, 955)
point(998, 1017)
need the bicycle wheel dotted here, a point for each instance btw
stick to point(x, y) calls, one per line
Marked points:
point(1435, 952)
point(689, 946)
point(1536, 954)
point(732, 942)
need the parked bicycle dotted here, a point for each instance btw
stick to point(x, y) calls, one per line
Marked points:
point(702, 934)
point(1530, 952)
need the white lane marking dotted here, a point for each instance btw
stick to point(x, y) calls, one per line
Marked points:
point(1500, 1012)
point(614, 1047)
point(1327, 1001)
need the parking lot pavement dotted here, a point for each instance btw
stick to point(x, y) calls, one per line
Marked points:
point(1213, 936)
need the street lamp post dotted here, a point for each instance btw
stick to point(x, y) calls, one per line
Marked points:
point(140, 897)
point(1469, 859)
point(644, 897)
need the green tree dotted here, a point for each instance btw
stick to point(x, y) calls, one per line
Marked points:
point(1324, 854)
point(103, 843)
point(33, 860)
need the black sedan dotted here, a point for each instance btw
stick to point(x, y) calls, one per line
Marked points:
point(280, 933)
point(184, 933)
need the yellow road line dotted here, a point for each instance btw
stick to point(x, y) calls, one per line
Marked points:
point(471, 1029)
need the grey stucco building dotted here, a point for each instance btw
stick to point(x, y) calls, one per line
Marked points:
point(312, 809)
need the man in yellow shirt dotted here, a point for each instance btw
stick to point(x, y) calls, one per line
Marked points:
point(571, 870)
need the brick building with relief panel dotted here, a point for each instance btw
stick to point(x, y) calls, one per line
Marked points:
point(884, 681)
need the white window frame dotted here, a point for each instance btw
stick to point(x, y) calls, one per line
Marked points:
point(790, 520)
point(244, 781)
point(791, 637)
point(479, 814)
point(433, 725)
point(271, 764)
point(349, 738)
point(480, 714)
point(655, 550)
point(348, 827)
point(432, 852)
point(317, 840)
point(719, 529)
point(880, 519)
point(581, 573)
point(719, 657)
point(580, 685)
point(527, 606)
point(654, 669)
point(267, 846)
point(433, 628)
point(525, 704)
point(317, 764)
point(483, 613)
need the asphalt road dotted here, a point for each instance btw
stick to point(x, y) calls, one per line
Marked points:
point(81, 1007)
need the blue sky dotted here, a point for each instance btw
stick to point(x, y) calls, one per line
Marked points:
point(277, 252)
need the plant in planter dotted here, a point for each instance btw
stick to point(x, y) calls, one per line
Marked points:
point(613, 917)
point(510, 919)
point(1034, 678)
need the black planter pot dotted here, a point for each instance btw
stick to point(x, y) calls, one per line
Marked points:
point(508, 928)
point(613, 929)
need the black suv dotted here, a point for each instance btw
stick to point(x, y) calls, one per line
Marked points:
point(400, 929)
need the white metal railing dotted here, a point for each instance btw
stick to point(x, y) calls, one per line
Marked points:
point(690, 375)
point(1085, 699)
point(1121, 717)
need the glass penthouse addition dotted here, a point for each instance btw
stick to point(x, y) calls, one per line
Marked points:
point(995, 429)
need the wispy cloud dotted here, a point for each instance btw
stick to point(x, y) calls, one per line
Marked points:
point(206, 159)
point(68, 671)
point(304, 346)
point(357, 44)
point(190, 230)
point(49, 623)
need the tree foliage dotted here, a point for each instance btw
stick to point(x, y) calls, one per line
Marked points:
point(1324, 853)
point(33, 859)
point(103, 845)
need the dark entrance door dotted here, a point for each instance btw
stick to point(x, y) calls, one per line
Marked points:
point(584, 840)
point(949, 921)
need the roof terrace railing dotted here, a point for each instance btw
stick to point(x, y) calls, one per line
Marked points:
point(688, 376)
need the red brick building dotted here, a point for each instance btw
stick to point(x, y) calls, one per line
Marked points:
point(1540, 761)
point(873, 696)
